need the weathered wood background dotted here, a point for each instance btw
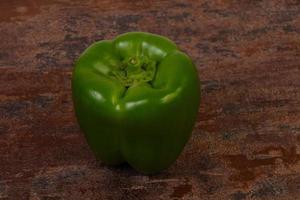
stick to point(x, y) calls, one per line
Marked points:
point(245, 144)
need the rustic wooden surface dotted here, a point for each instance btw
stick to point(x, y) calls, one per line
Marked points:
point(246, 142)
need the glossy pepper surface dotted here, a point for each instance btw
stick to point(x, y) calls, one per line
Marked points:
point(136, 99)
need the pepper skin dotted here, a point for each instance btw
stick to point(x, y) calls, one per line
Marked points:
point(136, 100)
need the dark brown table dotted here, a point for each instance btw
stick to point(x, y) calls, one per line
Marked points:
point(245, 144)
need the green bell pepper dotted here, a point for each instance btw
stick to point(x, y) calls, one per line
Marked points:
point(136, 99)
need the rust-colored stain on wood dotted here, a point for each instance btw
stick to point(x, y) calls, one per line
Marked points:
point(245, 144)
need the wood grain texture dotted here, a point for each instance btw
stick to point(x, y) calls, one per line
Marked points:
point(245, 144)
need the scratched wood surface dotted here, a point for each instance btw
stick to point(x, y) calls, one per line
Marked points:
point(245, 144)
